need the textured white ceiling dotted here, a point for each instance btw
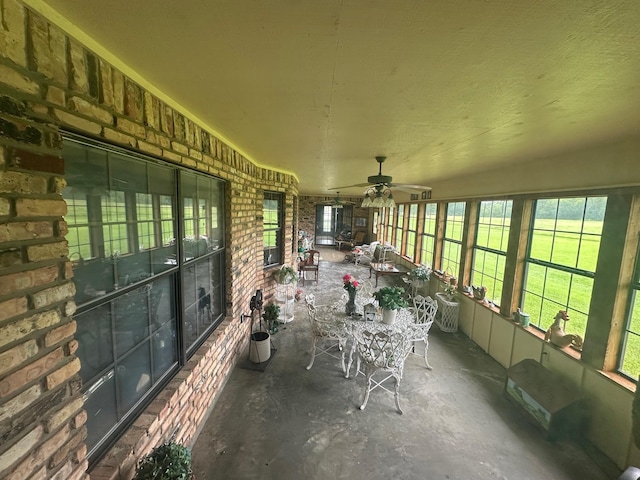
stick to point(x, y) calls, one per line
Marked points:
point(441, 87)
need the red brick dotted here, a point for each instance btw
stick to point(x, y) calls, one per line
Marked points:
point(62, 374)
point(12, 307)
point(40, 207)
point(16, 231)
point(58, 334)
point(31, 372)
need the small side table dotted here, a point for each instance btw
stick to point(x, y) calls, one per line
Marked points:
point(447, 316)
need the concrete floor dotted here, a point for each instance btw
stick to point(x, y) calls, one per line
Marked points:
point(289, 423)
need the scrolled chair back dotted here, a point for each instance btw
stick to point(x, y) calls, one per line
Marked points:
point(426, 309)
point(386, 350)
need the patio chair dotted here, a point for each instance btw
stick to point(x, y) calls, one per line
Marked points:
point(384, 351)
point(368, 254)
point(426, 309)
point(326, 334)
point(310, 263)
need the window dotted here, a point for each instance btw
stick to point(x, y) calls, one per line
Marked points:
point(123, 216)
point(427, 249)
point(563, 252)
point(452, 243)
point(412, 226)
point(389, 230)
point(630, 351)
point(272, 212)
point(399, 227)
point(490, 249)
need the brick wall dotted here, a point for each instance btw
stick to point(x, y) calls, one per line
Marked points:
point(49, 82)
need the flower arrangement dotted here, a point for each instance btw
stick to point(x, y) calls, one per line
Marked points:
point(286, 274)
point(298, 294)
point(421, 272)
point(391, 298)
point(350, 283)
point(450, 289)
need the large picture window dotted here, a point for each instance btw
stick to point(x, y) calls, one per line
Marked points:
point(490, 249)
point(124, 213)
point(272, 213)
point(452, 243)
point(563, 252)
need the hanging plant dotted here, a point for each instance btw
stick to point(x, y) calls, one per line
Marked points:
point(286, 274)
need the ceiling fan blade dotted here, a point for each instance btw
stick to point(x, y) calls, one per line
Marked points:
point(408, 186)
point(352, 186)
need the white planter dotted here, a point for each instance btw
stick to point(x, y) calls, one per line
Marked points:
point(259, 347)
point(388, 316)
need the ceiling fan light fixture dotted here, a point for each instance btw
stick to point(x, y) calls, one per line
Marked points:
point(379, 196)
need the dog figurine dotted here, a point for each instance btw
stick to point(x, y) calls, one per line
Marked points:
point(556, 335)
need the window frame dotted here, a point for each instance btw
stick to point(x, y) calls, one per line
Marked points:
point(124, 285)
point(487, 251)
point(548, 306)
point(452, 242)
point(277, 229)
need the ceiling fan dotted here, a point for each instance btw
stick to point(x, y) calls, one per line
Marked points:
point(339, 202)
point(380, 181)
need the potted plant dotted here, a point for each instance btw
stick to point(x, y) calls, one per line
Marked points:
point(286, 275)
point(390, 300)
point(421, 272)
point(419, 276)
point(169, 461)
point(450, 290)
point(271, 315)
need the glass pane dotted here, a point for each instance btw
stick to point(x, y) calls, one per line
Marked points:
point(631, 359)
point(100, 404)
point(565, 249)
point(541, 245)
point(589, 250)
point(95, 348)
point(133, 376)
point(131, 319)
point(570, 214)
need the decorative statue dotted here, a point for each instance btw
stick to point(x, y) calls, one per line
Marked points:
point(555, 334)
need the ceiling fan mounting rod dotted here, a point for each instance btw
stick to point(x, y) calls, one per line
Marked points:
point(380, 179)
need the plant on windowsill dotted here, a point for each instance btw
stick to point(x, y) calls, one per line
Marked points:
point(390, 300)
point(450, 290)
point(169, 461)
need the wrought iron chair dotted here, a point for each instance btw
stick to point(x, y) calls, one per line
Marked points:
point(426, 309)
point(326, 334)
point(382, 351)
point(310, 263)
point(368, 254)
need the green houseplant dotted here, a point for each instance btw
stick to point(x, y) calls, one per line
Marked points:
point(421, 272)
point(271, 315)
point(169, 461)
point(390, 300)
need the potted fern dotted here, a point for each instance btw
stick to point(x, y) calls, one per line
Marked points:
point(169, 461)
point(390, 300)
point(286, 275)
